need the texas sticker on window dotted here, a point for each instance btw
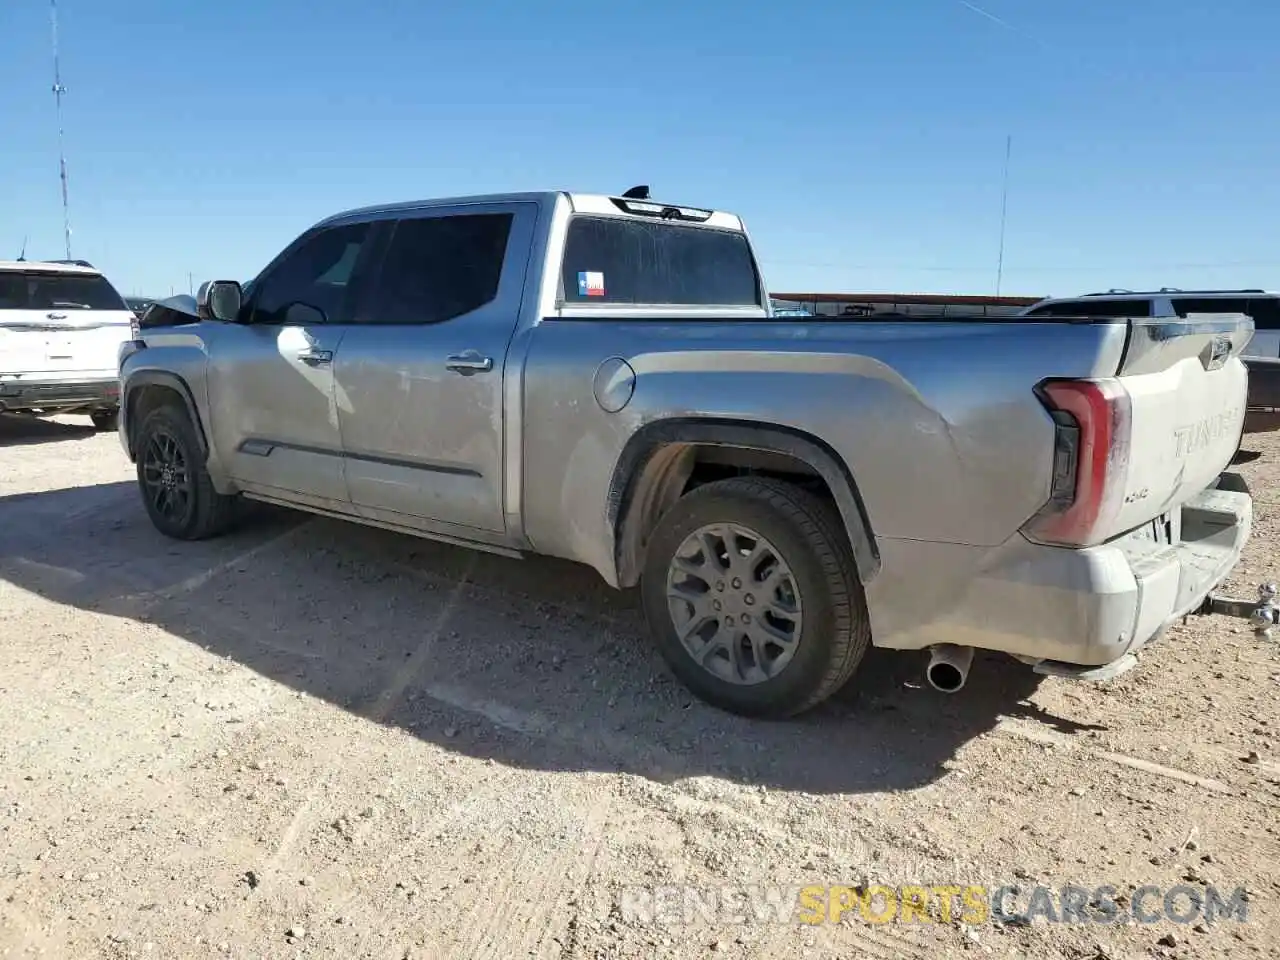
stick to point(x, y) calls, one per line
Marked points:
point(590, 284)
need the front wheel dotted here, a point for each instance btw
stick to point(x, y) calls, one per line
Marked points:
point(175, 486)
point(750, 592)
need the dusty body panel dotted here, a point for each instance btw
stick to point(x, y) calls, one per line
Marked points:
point(515, 425)
point(938, 423)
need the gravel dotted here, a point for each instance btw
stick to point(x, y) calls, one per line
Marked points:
point(325, 673)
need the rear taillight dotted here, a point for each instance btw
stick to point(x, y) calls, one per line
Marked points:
point(1090, 461)
point(134, 329)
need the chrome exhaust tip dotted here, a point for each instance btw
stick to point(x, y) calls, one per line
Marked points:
point(948, 668)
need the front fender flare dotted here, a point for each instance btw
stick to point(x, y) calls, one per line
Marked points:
point(160, 378)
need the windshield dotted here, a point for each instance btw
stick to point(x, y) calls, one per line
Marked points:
point(57, 291)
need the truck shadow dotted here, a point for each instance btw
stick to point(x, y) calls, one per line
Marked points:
point(19, 430)
point(531, 663)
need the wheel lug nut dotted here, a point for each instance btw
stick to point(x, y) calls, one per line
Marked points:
point(746, 618)
point(720, 585)
point(749, 600)
point(736, 583)
point(715, 604)
point(728, 621)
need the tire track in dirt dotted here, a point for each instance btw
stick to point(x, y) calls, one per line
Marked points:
point(382, 705)
point(575, 866)
point(484, 927)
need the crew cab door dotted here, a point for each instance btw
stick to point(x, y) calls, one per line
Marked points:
point(420, 372)
point(271, 385)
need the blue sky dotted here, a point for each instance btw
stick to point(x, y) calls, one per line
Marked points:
point(862, 142)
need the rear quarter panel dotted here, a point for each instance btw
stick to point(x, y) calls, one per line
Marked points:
point(937, 421)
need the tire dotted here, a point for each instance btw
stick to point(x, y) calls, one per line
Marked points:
point(194, 510)
point(105, 420)
point(833, 629)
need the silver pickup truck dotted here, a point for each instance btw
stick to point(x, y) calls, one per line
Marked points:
point(599, 378)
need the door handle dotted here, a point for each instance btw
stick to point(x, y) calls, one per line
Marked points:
point(316, 358)
point(55, 316)
point(469, 363)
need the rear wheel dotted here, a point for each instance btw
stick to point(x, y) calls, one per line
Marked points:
point(105, 419)
point(175, 486)
point(751, 596)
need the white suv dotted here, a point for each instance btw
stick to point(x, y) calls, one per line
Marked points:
point(61, 327)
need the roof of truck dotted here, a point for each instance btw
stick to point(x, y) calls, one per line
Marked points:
point(581, 202)
point(378, 208)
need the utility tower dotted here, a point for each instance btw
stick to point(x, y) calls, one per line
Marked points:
point(58, 91)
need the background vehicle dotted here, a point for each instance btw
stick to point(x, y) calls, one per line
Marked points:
point(599, 378)
point(139, 304)
point(1261, 356)
point(61, 327)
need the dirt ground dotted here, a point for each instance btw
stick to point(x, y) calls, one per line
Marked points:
point(309, 739)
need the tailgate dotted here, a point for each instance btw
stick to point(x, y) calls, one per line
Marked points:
point(54, 344)
point(1187, 389)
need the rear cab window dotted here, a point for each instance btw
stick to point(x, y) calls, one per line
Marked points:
point(47, 290)
point(620, 260)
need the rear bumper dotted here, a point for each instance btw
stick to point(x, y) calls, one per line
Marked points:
point(99, 391)
point(1064, 609)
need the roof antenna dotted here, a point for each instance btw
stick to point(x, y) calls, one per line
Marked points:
point(22, 256)
point(637, 193)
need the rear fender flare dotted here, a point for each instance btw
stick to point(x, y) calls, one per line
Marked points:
point(656, 461)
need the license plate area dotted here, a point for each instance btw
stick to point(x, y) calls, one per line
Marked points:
point(59, 348)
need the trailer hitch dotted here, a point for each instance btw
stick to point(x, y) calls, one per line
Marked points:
point(1263, 613)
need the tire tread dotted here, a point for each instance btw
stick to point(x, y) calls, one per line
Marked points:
point(819, 525)
point(214, 512)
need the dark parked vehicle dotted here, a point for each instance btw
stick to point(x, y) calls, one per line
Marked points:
point(139, 304)
point(1261, 356)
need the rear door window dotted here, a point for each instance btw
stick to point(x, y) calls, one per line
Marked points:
point(618, 260)
point(34, 290)
point(439, 268)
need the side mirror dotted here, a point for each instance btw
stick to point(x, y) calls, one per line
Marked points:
point(219, 300)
